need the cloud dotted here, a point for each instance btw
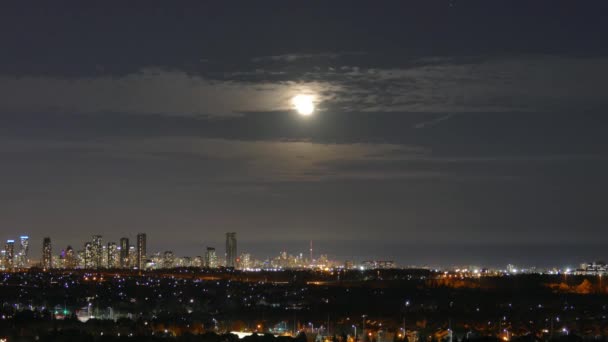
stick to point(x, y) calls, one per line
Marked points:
point(520, 83)
point(190, 161)
point(294, 57)
point(433, 122)
point(225, 161)
point(434, 85)
point(148, 92)
point(274, 161)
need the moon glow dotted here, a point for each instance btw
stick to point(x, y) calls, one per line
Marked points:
point(303, 104)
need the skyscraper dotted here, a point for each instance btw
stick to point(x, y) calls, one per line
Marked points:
point(97, 251)
point(24, 248)
point(104, 256)
point(9, 249)
point(47, 254)
point(124, 252)
point(210, 258)
point(245, 261)
point(231, 249)
point(168, 259)
point(70, 258)
point(112, 255)
point(198, 261)
point(141, 251)
point(132, 256)
point(58, 261)
point(3, 266)
point(88, 255)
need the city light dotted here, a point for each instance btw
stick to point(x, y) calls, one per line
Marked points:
point(319, 171)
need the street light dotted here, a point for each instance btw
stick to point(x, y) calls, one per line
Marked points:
point(355, 327)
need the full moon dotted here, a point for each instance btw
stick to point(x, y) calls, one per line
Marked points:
point(304, 104)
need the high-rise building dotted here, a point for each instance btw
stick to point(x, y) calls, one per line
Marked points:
point(104, 256)
point(80, 259)
point(132, 256)
point(112, 255)
point(141, 251)
point(88, 255)
point(184, 262)
point(97, 251)
point(156, 260)
point(9, 249)
point(210, 258)
point(70, 258)
point(231, 250)
point(197, 261)
point(168, 259)
point(245, 261)
point(47, 254)
point(59, 261)
point(124, 252)
point(3, 266)
point(24, 248)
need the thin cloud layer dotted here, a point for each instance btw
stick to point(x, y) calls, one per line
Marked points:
point(529, 84)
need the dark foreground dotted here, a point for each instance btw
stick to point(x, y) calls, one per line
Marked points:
point(373, 306)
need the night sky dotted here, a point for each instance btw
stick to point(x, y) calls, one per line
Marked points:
point(445, 132)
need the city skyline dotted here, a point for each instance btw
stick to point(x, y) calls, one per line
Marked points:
point(445, 256)
point(304, 171)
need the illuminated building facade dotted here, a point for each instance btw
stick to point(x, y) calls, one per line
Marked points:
point(598, 268)
point(9, 256)
point(378, 264)
point(104, 256)
point(124, 252)
point(47, 254)
point(141, 251)
point(88, 255)
point(22, 259)
point(70, 258)
point(211, 258)
point(3, 266)
point(132, 256)
point(231, 250)
point(168, 259)
point(112, 252)
point(97, 252)
point(197, 261)
point(245, 261)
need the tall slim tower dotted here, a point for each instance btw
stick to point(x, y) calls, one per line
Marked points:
point(231, 249)
point(47, 254)
point(124, 252)
point(3, 261)
point(112, 255)
point(88, 255)
point(10, 254)
point(70, 258)
point(141, 251)
point(210, 258)
point(97, 251)
point(311, 252)
point(24, 249)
